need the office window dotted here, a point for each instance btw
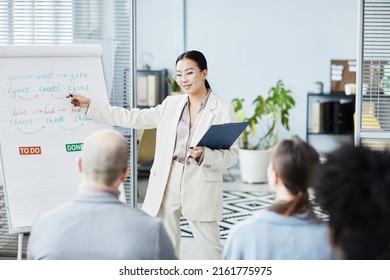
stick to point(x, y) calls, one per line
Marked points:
point(373, 99)
point(36, 22)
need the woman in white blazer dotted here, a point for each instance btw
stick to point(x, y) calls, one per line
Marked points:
point(185, 180)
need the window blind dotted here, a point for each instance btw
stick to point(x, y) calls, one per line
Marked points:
point(373, 99)
point(109, 23)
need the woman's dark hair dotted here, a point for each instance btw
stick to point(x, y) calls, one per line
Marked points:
point(353, 188)
point(295, 162)
point(200, 60)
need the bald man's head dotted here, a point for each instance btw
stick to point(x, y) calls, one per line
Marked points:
point(104, 157)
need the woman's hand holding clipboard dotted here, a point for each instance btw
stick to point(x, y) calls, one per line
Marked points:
point(222, 136)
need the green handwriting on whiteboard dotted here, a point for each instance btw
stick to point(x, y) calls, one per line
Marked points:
point(37, 100)
point(75, 147)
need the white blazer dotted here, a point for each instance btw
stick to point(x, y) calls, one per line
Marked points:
point(202, 186)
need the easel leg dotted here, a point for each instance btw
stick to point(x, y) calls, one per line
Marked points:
point(20, 245)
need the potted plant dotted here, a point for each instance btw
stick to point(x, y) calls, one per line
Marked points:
point(175, 88)
point(319, 87)
point(262, 132)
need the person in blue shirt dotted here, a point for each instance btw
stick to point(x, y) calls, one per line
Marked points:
point(288, 229)
point(95, 224)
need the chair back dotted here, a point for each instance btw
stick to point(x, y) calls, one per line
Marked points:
point(147, 146)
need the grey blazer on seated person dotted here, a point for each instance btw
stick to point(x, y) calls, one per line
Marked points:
point(97, 225)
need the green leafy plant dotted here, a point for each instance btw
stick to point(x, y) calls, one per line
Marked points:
point(268, 113)
point(172, 84)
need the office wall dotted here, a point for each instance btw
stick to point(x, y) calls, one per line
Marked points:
point(250, 44)
point(159, 32)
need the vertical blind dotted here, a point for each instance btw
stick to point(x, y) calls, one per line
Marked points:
point(373, 100)
point(109, 23)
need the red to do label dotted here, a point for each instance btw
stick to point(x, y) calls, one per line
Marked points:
point(31, 150)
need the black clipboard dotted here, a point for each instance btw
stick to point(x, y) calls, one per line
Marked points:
point(222, 136)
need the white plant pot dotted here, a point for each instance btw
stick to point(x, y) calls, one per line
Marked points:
point(319, 89)
point(253, 165)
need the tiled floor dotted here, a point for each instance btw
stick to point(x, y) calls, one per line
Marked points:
point(188, 247)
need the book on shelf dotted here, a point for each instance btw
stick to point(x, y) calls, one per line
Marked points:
point(317, 118)
point(152, 90)
point(343, 111)
point(332, 116)
point(337, 117)
point(347, 110)
point(147, 90)
point(321, 116)
point(142, 91)
point(327, 116)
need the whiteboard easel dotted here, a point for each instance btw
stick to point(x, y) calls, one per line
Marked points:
point(41, 133)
